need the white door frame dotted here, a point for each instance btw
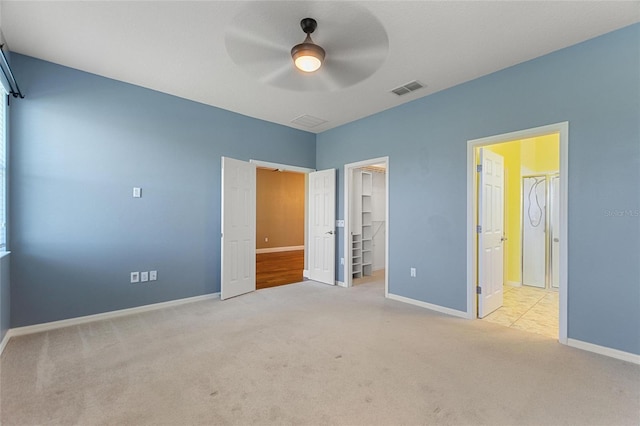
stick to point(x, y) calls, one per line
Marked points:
point(348, 169)
point(306, 171)
point(283, 167)
point(561, 128)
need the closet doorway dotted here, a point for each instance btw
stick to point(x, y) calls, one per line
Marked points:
point(366, 248)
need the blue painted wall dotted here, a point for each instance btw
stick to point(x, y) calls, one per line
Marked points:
point(79, 144)
point(596, 87)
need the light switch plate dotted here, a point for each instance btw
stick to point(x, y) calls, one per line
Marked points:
point(137, 192)
point(144, 277)
point(340, 223)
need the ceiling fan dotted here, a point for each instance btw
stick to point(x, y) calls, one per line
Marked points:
point(308, 56)
point(349, 45)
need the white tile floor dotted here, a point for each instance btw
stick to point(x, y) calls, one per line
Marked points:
point(525, 308)
point(530, 309)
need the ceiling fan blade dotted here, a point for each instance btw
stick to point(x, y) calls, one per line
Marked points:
point(261, 37)
point(288, 77)
point(345, 73)
point(375, 54)
point(250, 50)
point(279, 73)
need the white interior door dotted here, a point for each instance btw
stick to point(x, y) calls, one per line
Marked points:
point(238, 224)
point(322, 219)
point(491, 233)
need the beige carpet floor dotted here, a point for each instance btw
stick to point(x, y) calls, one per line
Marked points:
point(308, 354)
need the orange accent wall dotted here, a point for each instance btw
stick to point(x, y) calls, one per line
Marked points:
point(279, 209)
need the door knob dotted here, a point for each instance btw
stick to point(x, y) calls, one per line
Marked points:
point(556, 240)
point(329, 232)
point(503, 239)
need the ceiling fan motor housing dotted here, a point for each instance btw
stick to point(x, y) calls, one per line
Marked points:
point(308, 25)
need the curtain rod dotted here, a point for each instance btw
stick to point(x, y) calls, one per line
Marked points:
point(12, 81)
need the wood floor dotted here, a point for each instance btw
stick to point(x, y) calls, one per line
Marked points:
point(274, 269)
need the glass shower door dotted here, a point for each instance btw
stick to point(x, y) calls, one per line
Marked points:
point(534, 236)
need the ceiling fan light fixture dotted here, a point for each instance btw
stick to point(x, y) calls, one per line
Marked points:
point(308, 56)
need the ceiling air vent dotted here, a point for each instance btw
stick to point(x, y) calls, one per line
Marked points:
point(407, 88)
point(308, 121)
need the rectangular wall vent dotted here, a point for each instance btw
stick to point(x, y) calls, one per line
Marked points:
point(408, 88)
point(308, 121)
point(401, 91)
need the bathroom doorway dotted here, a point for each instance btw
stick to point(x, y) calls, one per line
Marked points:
point(526, 271)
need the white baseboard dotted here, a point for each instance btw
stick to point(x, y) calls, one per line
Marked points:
point(305, 273)
point(4, 341)
point(514, 283)
point(37, 328)
point(437, 308)
point(279, 249)
point(603, 350)
point(341, 284)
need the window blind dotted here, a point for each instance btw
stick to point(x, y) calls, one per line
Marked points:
point(3, 172)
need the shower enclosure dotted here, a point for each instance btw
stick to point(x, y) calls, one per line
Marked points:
point(540, 233)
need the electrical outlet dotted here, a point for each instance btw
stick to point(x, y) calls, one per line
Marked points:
point(135, 277)
point(266, 239)
point(137, 192)
point(144, 277)
point(342, 260)
point(153, 275)
point(413, 272)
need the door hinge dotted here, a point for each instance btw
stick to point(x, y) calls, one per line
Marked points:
point(478, 290)
point(479, 229)
point(479, 168)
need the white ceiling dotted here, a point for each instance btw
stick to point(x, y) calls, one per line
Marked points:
point(180, 48)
